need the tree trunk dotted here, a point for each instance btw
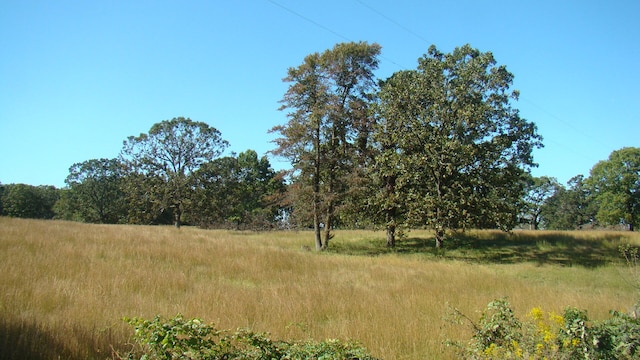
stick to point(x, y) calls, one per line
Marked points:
point(316, 222)
point(328, 221)
point(439, 237)
point(327, 232)
point(391, 235)
point(390, 187)
point(177, 217)
point(318, 237)
point(316, 189)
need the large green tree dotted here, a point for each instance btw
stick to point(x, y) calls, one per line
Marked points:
point(615, 185)
point(569, 208)
point(328, 99)
point(241, 190)
point(28, 201)
point(169, 154)
point(454, 152)
point(538, 190)
point(96, 191)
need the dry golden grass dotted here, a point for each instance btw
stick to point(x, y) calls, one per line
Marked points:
point(66, 286)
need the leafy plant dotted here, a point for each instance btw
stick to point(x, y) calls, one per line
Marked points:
point(180, 338)
point(500, 335)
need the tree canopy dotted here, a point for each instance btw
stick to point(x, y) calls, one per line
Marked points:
point(96, 188)
point(569, 208)
point(453, 150)
point(242, 191)
point(170, 152)
point(28, 201)
point(538, 191)
point(328, 100)
point(615, 184)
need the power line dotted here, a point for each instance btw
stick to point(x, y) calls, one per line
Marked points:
point(309, 20)
point(383, 15)
point(328, 29)
point(418, 36)
point(408, 30)
point(567, 124)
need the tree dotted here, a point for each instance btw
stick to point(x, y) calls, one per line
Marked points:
point(538, 190)
point(143, 199)
point(261, 188)
point(169, 154)
point(454, 153)
point(238, 190)
point(568, 208)
point(329, 96)
point(27, 201)
point(615, 184)
point(1, 197)
point(96, 191)
point(216, 192)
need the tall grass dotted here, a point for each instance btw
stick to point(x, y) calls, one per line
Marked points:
point(66, 286)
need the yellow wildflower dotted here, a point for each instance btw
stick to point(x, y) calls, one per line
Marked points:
point(575, 342)
point(491, 350)
point(536, 313)
point(548, 336)
point(517, 350)
point(558, 319)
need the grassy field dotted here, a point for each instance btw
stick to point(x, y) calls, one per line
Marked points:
point(65, 287)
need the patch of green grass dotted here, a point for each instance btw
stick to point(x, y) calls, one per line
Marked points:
point(568, 248)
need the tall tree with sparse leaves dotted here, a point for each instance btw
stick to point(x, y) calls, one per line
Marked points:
point(327, 99)
point(172, 151)
point(454, 152)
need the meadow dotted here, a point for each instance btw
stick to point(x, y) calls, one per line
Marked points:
point(65, 287)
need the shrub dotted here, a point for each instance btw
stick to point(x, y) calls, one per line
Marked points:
point(500, 335)
point(180, 338)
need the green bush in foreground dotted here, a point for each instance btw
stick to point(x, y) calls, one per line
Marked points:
point(500, 335)
point(179, 338)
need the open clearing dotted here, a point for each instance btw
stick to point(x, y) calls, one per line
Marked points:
point(66, 286)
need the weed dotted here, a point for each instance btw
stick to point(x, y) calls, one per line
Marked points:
point(192, 339)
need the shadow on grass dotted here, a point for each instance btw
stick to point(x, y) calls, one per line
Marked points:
point(544, 248)
point(28, 340)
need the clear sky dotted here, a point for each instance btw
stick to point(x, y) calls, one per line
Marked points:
point(78, 77)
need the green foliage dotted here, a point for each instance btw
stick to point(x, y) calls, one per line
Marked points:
point(539, 190)
point(572, 335)
point(240, 192)
point(615, 184)
point(1, 198)
point(27, 201)
point(169, 154)
point(568, 209)
point(96, 193)
point(180, 338)
point(456, 149)
point(326, 135)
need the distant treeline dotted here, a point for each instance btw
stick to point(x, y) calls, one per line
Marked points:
point(244, 192)
point(240, 192)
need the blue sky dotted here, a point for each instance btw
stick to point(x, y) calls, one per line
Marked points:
point(78, 77)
